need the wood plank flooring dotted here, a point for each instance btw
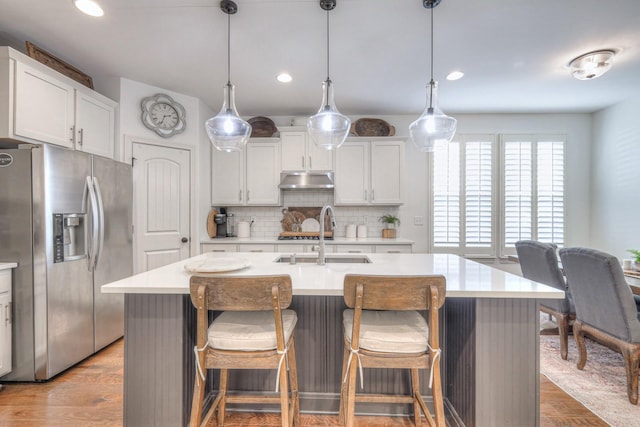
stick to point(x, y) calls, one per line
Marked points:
point(91, 395)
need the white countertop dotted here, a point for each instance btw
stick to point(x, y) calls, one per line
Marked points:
point(334, 241)
point(7, 265)
point(465, 278)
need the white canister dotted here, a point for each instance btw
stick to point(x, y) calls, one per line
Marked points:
point(351, 231)
point(626, 264)
point(362, 231)
point(244, 230)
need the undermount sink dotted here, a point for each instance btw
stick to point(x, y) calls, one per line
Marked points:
point(331, 259)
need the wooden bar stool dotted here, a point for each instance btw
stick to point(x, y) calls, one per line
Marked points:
point(253, 332)
point(382, 329)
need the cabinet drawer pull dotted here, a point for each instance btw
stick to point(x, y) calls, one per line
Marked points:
point(248, 197)
point(310, 162)
point(393, 252)
point(373, 195)
point(354, 252)
point(81, 136)
point(217, 250)
point(240, 195)
point(73, 133)
point(255, 250)
point(365, 195)
point(302, 162)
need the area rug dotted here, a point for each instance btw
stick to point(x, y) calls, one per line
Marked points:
point(601, 386)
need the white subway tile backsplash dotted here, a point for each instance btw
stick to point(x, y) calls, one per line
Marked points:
point(267, 219)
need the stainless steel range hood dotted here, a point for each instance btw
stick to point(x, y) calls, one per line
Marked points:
point(306, 180)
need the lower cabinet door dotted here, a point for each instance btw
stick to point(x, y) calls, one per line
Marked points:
point(5, 333)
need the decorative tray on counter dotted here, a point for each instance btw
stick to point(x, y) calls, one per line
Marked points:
point(216, 264)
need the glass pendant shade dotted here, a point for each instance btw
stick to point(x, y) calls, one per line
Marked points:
point(227, 131)
point(328, 128)
point(433, 126)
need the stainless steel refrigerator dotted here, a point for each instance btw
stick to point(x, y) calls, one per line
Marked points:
point(65, 217)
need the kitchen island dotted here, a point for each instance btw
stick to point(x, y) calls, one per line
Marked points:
point(489, 338)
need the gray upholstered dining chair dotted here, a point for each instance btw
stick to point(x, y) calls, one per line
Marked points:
point(539, 263)
point(605, 309)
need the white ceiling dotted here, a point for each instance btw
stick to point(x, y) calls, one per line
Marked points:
point(513, 52)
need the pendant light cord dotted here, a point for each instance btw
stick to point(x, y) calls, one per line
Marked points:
point(328, 79)
point(431, 83)
point(229, 48)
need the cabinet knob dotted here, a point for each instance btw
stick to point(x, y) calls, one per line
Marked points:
point(184, 239)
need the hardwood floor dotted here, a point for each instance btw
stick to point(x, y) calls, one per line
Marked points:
point(91, 395)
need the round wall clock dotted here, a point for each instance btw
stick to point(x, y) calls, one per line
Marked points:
point(163, 115)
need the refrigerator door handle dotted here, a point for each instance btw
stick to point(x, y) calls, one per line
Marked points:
point(93, 239)
point(98, 253)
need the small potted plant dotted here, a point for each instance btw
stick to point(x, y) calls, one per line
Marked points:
point(390, 222)
point(635, 265)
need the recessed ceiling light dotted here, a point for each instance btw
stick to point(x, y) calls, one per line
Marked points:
point(455, 75)
point(89, 7)
point(284, 77)
point(591, 65)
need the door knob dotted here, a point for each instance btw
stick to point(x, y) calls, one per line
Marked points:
point(185, 239)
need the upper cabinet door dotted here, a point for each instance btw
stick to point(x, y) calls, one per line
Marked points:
point(293, 151)
point(44, 107)
point(300, 154)
point(263, 174)
point(352, 174)
point(319, 158)
point(95, 125)
point(227, 178)
point(387, 172)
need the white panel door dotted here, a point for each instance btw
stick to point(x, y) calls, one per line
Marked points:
point(44, 107)
point(161, 193)
point(387, 160)
point(352, 174)
point(95, 125)
point(319, 159)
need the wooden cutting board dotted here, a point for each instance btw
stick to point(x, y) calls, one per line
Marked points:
point(212, 228)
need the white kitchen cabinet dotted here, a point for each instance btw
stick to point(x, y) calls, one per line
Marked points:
point(393, 249)
point(40, 105)
point(354, 249)
point(248, 247)
point(262, 174)
point(293, 249)
point(5, 318)
point(95, 124)
point(352, 174)
point(370, 173)
point(247, 177)
point(43, 106)
point(214, 247)
point(300, 154)
point(227, 178)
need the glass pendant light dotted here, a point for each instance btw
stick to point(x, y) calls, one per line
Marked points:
point(227, 131)
point(328, 128)
point(433, 126)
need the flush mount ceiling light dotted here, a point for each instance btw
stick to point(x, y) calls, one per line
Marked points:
point(433, 126)
point(328, 128)
point(227, 131)
point(591, 65)
point(89, 7)
point(284, 78)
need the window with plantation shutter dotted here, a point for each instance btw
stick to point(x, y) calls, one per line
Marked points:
point(463, 196)
point(475, 213)
point(532, 190)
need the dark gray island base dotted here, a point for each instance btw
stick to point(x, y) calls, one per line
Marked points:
point(490, 369)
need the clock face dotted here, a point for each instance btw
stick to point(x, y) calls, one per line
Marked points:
point(164, 115)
